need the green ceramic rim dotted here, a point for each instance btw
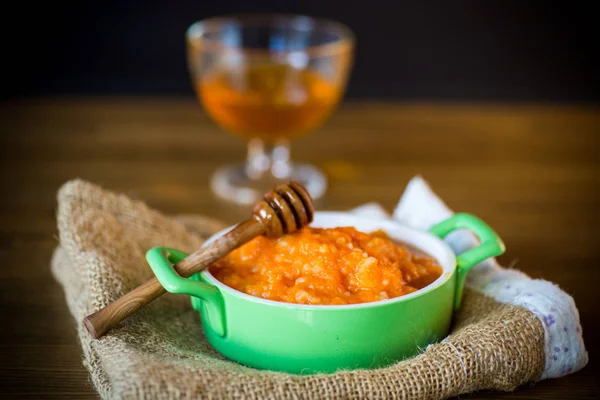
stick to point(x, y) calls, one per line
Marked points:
point(445, 276)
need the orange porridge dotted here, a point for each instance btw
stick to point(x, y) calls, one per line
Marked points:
point(326, 266)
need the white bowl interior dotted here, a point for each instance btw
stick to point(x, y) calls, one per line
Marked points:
point(423, 241)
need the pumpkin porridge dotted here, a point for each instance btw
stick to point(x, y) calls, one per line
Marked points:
point(326, 266)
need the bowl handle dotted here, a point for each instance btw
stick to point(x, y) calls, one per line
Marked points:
point(490, 246)
point(162, 259)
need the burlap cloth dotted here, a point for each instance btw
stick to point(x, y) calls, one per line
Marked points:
point(161, 352)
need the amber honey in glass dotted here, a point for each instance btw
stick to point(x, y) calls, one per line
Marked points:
point(268, 102)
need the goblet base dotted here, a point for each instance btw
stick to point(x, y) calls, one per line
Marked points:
point(233, 184)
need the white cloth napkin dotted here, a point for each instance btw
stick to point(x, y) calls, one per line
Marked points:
point(420, 208)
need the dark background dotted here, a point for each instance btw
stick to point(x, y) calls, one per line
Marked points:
point(448, 50)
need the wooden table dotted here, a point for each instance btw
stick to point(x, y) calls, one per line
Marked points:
point(530, 171)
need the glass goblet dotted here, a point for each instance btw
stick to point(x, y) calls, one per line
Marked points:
point(268, 79)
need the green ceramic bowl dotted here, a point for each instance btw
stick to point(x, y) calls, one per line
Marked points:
point(306, 339)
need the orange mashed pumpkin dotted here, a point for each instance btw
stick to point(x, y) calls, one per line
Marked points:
point(326, 266)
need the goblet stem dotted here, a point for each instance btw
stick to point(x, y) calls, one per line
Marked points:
point(268, 157)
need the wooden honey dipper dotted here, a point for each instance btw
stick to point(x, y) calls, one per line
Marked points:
point(285, 209)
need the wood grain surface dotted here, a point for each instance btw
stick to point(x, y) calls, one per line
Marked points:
point(530, 171)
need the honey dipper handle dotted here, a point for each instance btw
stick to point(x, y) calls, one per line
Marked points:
point(104, 319)
point(205, 256)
